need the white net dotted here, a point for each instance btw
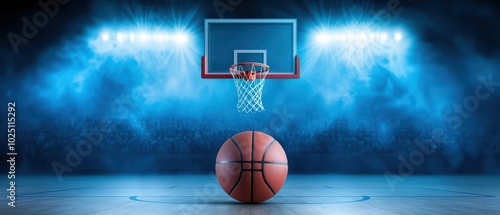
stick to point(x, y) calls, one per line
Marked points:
point(249, 85)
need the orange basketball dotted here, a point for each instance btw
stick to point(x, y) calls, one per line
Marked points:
point(250, 75)
point(251, 167)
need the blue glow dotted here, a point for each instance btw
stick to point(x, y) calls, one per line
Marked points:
point(126, 39)
point(398, 36)
point(355, 37)
point(181, 38)
point(374, 77)
point(105, 36)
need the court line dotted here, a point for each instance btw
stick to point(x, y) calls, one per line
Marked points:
point(50, 191)
point(104, 188)
point(468, 195)
point(452, 191)
point(449, 191)
point(363, 198)
point(344, 196)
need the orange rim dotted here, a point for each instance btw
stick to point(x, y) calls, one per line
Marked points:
point(236, 71)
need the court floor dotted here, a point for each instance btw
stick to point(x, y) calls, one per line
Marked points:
point(301, 194)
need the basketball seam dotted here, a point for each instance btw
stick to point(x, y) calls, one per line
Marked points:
point(241, 165)
point(251, 170)
point(263, 173)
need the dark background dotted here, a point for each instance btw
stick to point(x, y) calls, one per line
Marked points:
point(338, 118)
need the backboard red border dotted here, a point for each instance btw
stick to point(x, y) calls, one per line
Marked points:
point(205, 74)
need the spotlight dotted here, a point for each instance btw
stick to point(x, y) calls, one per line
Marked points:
point(144, 37)
point(120, 37)
point(343, 37)
point(351, 37)
point(158, 37)
point(383, 37)
point(322, 38)
point(181, 38)
point(361, 36)
point(398, 36)
point(165, 37)
point(105, 36)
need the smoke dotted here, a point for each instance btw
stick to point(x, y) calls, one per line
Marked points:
point(415, 81)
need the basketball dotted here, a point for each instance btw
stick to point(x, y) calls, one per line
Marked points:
point(251, 167)
point(250, 75)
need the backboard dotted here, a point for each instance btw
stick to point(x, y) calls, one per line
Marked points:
point(269, 41)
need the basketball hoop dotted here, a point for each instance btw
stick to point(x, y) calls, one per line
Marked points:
point(249, 83)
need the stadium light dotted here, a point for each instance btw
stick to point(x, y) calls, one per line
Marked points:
point(120, 37)
point(383, 37)
point(145, 38)
point(165, 37)
point(181, 38)
point(343, 37)
point(324, 38)
point(398, 36)
point(105, 36)
point(157, 37)
point(361, 36)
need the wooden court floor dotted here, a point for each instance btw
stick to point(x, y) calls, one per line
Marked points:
point(301, 194)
